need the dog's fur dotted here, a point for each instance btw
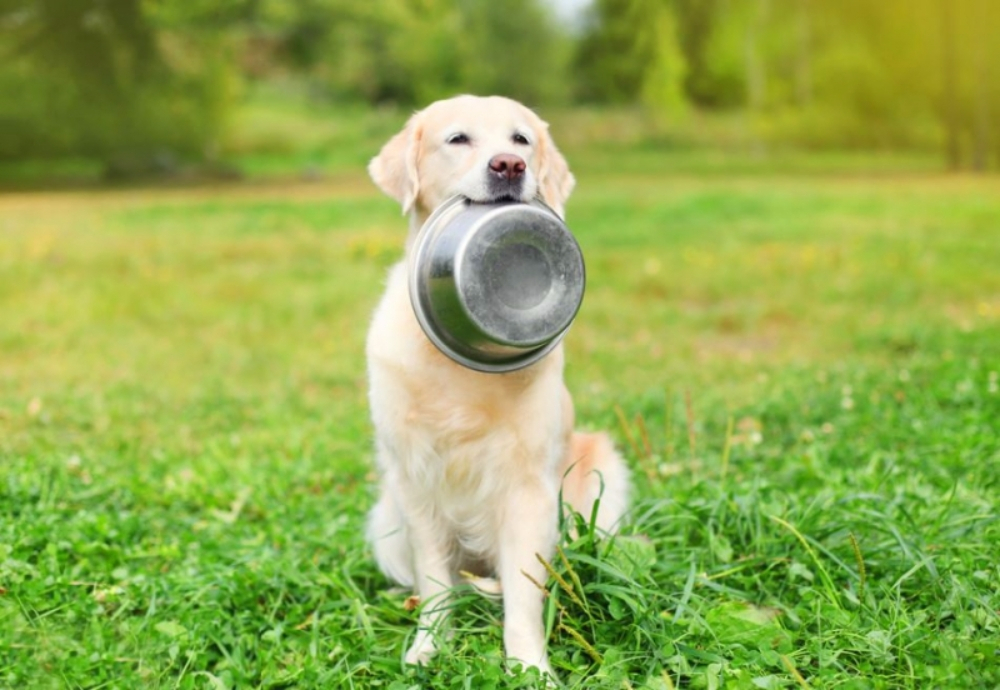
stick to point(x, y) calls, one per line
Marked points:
point(471, 463)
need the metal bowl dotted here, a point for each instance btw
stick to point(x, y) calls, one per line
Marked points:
point(495, 286)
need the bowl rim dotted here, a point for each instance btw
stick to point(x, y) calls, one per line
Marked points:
point(431, 329)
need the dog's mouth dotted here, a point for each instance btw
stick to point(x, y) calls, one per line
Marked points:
point(505, 198)
point(503, 190)
point(513, 194)
point(496, 199)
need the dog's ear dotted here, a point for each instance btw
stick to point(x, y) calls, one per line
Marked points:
point(555, 181)
point(394, 169)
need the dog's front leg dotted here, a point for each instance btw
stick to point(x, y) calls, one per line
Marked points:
point(530, 529)
point(432, 580)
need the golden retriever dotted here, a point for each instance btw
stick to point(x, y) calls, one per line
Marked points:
point(472, 463)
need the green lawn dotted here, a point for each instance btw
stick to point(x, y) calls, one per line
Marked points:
point(185, 448)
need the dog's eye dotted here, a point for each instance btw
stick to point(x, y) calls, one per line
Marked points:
point(519, 138)
point(458, 139)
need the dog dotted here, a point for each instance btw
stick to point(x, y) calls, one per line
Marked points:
point(471, 464)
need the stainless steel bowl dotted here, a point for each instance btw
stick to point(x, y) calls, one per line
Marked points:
point(495, 286)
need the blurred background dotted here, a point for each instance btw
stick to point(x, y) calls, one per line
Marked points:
point(131, 89)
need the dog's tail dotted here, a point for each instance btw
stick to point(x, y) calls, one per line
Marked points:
point(593, 470)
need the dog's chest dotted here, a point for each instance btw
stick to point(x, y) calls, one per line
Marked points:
point(459, 440)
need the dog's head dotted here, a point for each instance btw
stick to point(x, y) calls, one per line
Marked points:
point(486, 149)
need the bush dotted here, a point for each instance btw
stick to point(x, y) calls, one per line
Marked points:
point(129, 109)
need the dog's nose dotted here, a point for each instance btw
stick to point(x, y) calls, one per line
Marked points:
point(508, 166)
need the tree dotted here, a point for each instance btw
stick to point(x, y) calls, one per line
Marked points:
point(629, 53)
point(712, 40)
point(513, 48)
point(413, 51)
point(102, 61)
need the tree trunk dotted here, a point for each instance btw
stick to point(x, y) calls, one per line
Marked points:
point(982, 134)
point(949, 74)
point(756, 70)
point(803, 67)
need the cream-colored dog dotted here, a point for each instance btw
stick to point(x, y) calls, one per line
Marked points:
point(472, 464)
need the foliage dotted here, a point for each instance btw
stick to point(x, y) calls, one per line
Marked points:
point(156, 81)
point(629, 54)
point(411, 52)
point(515, 49)
point(711, 45)
point(814, 72)
point(606, 55)
point(98, 79)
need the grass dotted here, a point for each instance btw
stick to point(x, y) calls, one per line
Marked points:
point(801, 365)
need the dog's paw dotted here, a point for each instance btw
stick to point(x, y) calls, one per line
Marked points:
point(487, 586)
point(548, 675)
point(423, 648)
